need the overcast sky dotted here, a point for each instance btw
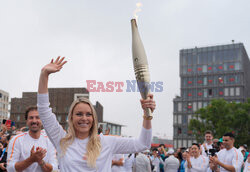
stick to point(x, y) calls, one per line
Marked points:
point(95, 37)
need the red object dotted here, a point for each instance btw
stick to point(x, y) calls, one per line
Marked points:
point(8, 124)
point(189, 70)
point(199, 68)
point(210, 80)
point(209, 68)
point(231, 66)
point(220, 67)
point(189, 94)
point(221, 80)
point(231, 79)
point(221, 92)
point(189, 82)
point(199, 81)
point(200, 94)
point(189, 107)
point(155, 145)
point(190, 132)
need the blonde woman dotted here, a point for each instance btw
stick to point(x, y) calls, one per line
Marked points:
point(80, 148)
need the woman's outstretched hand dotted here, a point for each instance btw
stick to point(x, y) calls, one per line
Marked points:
point(53, 67)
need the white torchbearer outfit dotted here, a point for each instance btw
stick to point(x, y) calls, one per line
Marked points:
point(231, 157)
point(20, 147)
point(199, 164)
point(74, 159)
point(171, 164)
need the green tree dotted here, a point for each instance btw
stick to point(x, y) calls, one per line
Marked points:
point(221, 117)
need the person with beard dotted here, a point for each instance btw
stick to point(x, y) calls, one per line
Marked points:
point(31, 151)
point(228, 159)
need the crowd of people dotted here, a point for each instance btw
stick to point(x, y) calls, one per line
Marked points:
point(82, 148)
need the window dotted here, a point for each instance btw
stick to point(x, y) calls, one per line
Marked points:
point(204, 104)
point(232, 91)
point(184, 143)
point(204, 68)
point(59, 118)
point(184, 119)
point(205, 93)
point(179, 119)
point(205, 80)
point(175, 144)
point(226, 92)
point(237, 91)
point(210, 92)
point(189, 143)
point(175, 119)
point(179, 144)
point(18, 117)
point(194, 106)
point(189, 118)
point(221, 93)
point(179, 107)
point(199, 105)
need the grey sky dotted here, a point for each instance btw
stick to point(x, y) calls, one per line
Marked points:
point(95, 37)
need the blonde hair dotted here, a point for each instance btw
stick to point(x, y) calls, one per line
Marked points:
point(94, 145)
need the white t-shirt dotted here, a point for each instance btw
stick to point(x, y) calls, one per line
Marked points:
point(19, 150)
point(156, 162)
point(208, 147)
point(247, 167)
point(171, 164)
point(116, 168)
point(141, 163)
point(199, 164)
point(231, 157)
point(128, 162)
point(74, 159)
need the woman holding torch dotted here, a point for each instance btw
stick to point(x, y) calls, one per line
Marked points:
point(80, 148)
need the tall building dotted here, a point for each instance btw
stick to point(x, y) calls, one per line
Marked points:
point(208, 73)
point(4, 104)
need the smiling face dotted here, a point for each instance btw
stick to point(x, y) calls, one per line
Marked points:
point(33, 121)
point(195, 150)
point(209, 138)
point(82, 119)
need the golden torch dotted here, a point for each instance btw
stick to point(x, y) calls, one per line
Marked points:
point(140, 65)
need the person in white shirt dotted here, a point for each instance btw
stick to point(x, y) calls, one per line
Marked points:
point(31, 151)
point(228, 159)
point(171, 164)
point(80, 148)
point(128, 162)
point(247, 165)
point(197, 163)
point(156, 160)
point(208, 144)
point(117, 163)
point(141, 163)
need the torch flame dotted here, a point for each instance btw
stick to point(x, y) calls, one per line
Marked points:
point(138, 9)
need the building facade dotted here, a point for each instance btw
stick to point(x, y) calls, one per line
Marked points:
point(4, 104)
point(208, 73)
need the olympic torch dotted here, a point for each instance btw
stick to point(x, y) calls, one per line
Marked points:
point(140, 65)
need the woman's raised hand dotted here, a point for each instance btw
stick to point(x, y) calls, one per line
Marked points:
point(53, 67)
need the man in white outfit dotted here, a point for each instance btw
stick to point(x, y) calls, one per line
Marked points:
point(171, 164)
point(228, 159)
point(31, 151)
